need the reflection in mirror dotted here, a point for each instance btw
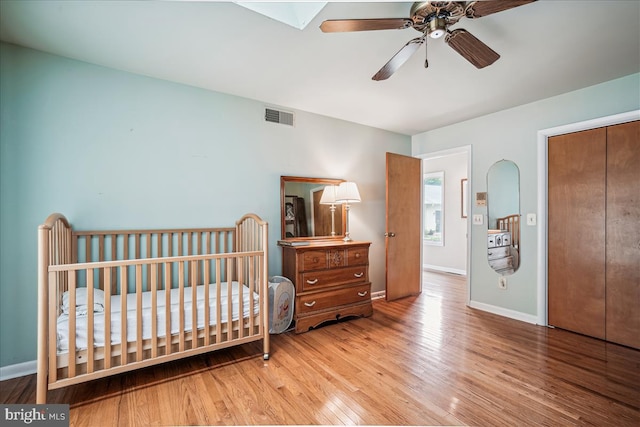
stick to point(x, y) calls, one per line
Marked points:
point(303, 214)
point(503, 207)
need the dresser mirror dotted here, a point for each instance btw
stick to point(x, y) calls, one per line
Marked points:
point(302, 216)
point(503, 208)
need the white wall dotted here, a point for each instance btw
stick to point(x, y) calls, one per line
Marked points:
point(110, 149)
point(512, 134)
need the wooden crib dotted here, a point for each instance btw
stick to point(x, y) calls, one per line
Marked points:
point(511, 224)
point(206, 288)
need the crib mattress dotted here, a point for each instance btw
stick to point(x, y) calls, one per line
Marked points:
point(99, 317)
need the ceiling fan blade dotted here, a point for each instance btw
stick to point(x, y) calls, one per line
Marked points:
point(398, 59)
point(478, 9)
point(472, 49)
point(343, 25)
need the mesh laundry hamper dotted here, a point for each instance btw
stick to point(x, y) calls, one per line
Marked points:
point(281, 300)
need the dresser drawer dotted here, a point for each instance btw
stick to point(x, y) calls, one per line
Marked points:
point(358, 256)
point(332, 299)
point(321, 279)
point(313, 260)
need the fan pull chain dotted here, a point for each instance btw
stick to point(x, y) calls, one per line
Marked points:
point(426, 51)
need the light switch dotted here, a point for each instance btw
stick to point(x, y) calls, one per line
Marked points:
point(531, 219)
point(478, 219)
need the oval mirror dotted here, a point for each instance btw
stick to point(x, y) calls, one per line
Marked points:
point(503, 208)
point(305, 213)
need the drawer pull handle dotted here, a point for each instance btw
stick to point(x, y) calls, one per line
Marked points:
point(361, 294)
point(310, 304)
point(358, 275)
point(312, 282)
point(357, 255)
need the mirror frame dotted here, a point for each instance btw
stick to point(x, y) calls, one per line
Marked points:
point(307, 180)
point(515, 242)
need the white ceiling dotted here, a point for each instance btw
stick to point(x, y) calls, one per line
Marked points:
point(547, 48)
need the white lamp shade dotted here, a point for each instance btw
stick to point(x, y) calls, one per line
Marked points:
point(329, 195)
point(348, 193)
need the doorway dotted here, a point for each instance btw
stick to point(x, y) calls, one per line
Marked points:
point(450, 251)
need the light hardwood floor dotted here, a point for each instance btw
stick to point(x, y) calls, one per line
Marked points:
point(424, 360)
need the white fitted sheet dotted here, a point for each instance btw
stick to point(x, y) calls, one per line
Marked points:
point(99, 317)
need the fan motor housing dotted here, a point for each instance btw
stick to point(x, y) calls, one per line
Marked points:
point(423, 12)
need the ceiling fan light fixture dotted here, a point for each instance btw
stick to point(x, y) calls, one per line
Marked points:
point(437, 28)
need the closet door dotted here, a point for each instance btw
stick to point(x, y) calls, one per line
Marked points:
point(576, 231)
point(623, 234)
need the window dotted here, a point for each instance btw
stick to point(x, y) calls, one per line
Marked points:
point(433, 215)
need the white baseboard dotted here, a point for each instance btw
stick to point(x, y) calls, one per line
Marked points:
point(378, 295)
point(505, 312)
point(444, 269)
point(18, 370)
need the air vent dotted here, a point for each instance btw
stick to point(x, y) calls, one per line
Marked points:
point(275, 116)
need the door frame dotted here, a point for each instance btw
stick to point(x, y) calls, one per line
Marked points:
point(465, 149)
point(543, 136)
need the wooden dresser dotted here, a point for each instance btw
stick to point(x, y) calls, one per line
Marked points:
point(331, 280)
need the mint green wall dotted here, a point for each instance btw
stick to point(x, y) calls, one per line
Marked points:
point(512, 134)
point(110, 149)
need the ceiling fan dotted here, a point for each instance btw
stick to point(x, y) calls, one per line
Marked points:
point(432, 19)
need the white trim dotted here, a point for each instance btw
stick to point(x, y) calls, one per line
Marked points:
point(543, 136)
point(444, 269)
point(464, 149)
point(378, 295)
point(18, 370)
point(505, 312)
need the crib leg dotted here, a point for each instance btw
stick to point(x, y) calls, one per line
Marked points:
point(41, 388)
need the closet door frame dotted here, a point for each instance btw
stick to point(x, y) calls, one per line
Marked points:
point(543, 136)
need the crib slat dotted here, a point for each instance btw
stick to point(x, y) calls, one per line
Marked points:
point(159, 254)
point(125, 248)
point(90, 320)
point(53, 334)
point(138, 313)
point(240, 297)
point(194, 305)
point(207, 314)
point(188, 236)
point(154, 310)
point(251, 284)
point(87, 249)
point(229, 308)
point(149, 255)
point(107, 318)
point(72, 325)
point(137, 250)
point(101, 256)
point(199, 252)
point(124, 287)
point(167, 307)
point(181, 307)
point(218, 300)
point(114, 255)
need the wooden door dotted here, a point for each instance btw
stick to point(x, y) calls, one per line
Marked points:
point(623, 234)
point(576, 231)
point(404, 236)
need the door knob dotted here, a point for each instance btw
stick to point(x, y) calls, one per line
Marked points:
point(389, 234)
